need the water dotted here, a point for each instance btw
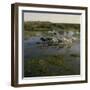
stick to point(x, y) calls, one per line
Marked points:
point(31, 49)
point(71, 56)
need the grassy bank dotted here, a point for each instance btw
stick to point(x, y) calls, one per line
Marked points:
point(48, 66)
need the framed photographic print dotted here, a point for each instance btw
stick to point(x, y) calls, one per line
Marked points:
point(49, 44)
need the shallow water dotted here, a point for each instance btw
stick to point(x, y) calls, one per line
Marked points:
point(71, 56)
point(31, 49)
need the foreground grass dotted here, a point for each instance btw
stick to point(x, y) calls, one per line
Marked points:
point(47, 66)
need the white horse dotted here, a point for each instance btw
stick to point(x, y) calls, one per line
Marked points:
point(67, 42)
point(55, 40)
point(74, 38)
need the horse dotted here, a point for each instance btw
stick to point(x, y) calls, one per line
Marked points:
point(67, 42)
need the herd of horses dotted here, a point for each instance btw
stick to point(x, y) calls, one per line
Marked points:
point(56, 42)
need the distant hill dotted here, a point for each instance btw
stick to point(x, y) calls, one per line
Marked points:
point(46, 26)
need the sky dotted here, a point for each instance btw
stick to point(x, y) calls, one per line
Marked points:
point(52, 17)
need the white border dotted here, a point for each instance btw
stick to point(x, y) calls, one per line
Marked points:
point(52, 78)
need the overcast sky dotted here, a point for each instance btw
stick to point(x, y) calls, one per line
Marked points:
point(56, 18)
